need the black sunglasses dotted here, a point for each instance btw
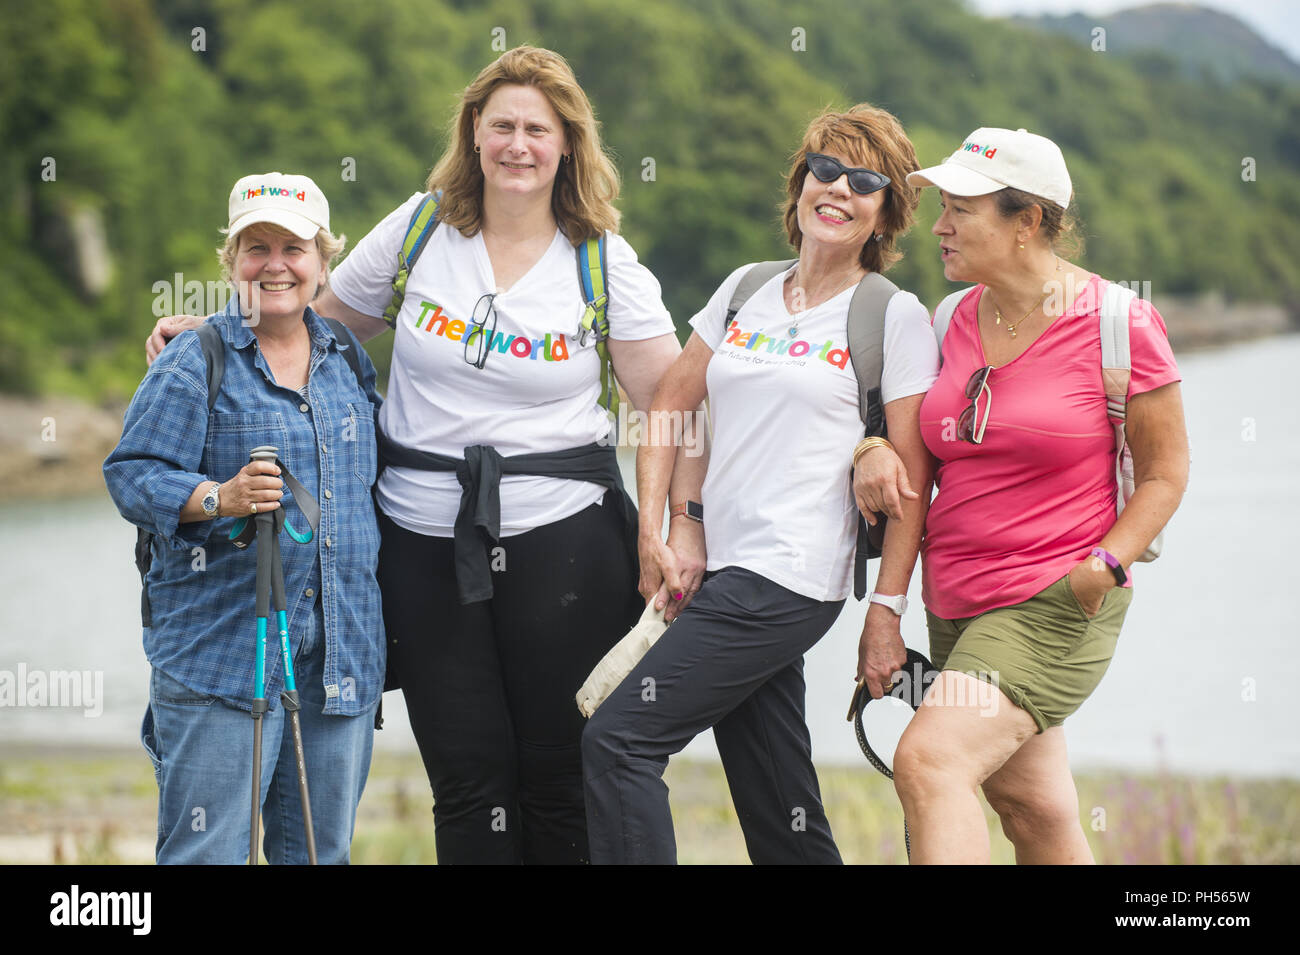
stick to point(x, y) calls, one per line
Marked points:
point(977, 383)
point(862, 181)
point(478, 338)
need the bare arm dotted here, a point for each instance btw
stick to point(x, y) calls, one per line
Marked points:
point(663, 459)
point(363, 326)
point(881, 650)
point(1157, 434)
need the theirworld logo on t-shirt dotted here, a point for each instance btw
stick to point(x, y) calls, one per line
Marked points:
point(434, 320)
point(755, 341)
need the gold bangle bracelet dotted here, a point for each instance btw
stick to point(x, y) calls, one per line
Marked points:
point(866, 444)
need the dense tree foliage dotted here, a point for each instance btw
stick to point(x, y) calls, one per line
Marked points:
point(148, 124)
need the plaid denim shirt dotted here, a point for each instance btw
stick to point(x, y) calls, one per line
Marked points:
point(201, 586)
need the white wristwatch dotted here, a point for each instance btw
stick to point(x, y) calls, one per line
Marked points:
point(897, 604)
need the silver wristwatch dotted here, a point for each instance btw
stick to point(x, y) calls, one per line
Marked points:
point(212, 500)
point(897, 604)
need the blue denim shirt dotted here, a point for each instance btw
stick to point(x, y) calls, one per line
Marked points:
point(201, 587)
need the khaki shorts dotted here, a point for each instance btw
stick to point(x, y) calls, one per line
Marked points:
point(1044, 653)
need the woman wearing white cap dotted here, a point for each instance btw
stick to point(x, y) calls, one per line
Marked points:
point(181, 473)
point(1025, 566)
point(509, 544)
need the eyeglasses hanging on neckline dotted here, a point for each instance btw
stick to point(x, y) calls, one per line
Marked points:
point(967, 429)
point(482, 329)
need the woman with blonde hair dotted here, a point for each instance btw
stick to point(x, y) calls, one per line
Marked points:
point(508, 564)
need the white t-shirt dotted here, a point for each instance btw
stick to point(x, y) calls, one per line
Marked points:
point(778, 497)
point(538, 389)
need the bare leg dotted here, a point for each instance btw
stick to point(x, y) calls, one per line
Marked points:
point(1034, 795)
point(966, 730)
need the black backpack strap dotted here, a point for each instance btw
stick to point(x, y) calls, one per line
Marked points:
point(866, 335)
point(751, 282)
point(348, 347)
point(214, 355)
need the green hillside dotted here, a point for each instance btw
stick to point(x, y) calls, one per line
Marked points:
point(147, 134)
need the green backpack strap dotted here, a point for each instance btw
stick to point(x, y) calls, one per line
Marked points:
point(423, 222)
point(592, 274)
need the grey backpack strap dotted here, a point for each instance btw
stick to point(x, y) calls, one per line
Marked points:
point(751, 282)
point(943, 316)
point(866, 334)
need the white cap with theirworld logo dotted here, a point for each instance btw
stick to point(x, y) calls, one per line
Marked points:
point(993, 159)
point(292, 202)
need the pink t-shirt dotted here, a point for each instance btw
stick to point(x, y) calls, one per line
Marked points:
point(1016, 512)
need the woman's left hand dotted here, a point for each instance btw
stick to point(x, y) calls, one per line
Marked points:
point(686, 539)
point(1091, 584)
point(881, 651)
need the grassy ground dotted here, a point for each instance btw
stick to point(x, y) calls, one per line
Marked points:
point(97, 807)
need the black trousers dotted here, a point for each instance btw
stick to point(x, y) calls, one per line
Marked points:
point(490, 686)
point(734, 661)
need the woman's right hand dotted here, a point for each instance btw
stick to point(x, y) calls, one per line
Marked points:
point(258, 483)
point(164, 330)
point(879, 484)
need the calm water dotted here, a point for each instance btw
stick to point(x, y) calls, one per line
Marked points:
point(1203, 680)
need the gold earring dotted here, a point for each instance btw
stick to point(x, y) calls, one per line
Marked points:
point(478, 150)
point(568, 157)
point(1022, 245)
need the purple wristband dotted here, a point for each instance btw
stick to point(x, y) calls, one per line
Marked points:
point(1111, 561)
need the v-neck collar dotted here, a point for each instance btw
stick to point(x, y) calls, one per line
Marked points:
point(485, 262)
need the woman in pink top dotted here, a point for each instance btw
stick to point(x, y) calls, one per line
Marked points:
point(1025, 565)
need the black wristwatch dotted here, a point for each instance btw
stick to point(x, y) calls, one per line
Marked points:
point(693, 510)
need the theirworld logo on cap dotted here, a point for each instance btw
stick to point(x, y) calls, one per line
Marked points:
point(985, 151)
point(301, 195)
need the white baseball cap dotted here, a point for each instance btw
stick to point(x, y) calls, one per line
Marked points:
point(292, 202)
point(993, 159)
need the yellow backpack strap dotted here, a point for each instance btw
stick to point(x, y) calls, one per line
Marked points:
point(418, 231)
point(595, 317)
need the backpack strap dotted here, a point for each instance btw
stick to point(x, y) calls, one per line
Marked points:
point(755, 278)
point(422, 225)
point(1116, 372)
point(347, 348)
point(866, 335)
point(214, 357)
point(1116, 362)
point(943, 315)
point(593, 283)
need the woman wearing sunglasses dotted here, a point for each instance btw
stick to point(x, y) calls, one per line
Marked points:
point(778, 513)
point(1025, 566)
point(508, 558)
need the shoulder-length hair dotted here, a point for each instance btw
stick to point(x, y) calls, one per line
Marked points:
point(582, 198)
point(873, 138)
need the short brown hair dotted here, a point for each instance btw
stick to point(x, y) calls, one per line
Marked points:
point(875, 138)
point(1060, 227)
point(582, 199)
point(328, 246)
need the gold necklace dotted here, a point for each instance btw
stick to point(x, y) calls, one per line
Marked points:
point(997, 312)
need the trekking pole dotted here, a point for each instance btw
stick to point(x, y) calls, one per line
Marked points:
point(265, 532)
point(289, 695)
point(271, 591)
